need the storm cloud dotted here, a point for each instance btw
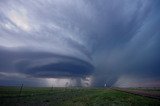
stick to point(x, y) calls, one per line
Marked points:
point(80, 42)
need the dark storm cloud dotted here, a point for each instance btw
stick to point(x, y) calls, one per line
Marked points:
point(128, 41)
point(42, 64)
point(71, 38)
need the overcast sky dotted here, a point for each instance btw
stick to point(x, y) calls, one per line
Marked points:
point(80, 42)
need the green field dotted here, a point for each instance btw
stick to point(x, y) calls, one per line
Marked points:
point(11, 96)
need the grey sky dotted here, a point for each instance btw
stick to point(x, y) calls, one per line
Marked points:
point(83, 42)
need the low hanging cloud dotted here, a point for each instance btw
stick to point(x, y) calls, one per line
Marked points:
point(81, 43)
point(42, 64)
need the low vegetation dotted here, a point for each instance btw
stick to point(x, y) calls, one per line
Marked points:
point(11, 96)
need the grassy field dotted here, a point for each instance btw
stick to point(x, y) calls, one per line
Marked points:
point(11, 96)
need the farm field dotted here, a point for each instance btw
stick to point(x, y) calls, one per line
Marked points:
point(147, 92)
point(30, 96)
